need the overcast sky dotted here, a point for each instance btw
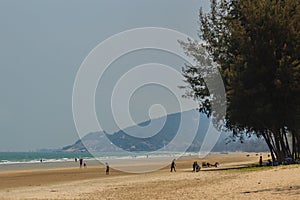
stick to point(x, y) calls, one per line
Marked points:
point(42, 45)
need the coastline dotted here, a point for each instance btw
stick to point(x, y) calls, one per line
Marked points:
point(211, 183)
point(44, 165)
point(93, 162)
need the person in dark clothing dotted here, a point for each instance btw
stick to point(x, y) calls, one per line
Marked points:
point(216, 164)
point(107, 169)
point(173, 165)
point(194, 166)
point(260, 161)
point(80, 162)
point(197, 167)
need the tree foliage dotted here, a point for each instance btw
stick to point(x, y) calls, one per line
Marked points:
point(256, 46)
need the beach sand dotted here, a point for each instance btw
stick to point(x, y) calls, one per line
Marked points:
point(223, 182)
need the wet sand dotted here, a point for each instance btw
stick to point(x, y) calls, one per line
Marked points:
point(223, 182)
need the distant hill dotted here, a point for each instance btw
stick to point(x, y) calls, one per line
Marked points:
point(101, 141)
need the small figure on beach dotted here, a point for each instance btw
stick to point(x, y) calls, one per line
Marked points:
point(196, 167)
point(260, 161)
point(216, 164)
point(75, 159)
point(41, 160)
point(80, 162)
point(84, 165)
point(173, 165)
point(107, 169)
point(208, 164)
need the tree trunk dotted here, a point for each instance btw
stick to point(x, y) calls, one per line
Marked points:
point(294, 153)
point(286, 145)
point(271, 147)
point(278, 143)
point(297, 144)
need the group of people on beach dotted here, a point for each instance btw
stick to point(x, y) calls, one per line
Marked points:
point(207, 164)
point(81, 163)
point(196, 167)
point(268, 163)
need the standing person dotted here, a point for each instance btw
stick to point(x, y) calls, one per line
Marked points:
point(197, 167)
point(194, 166)
point(173, 165)
point(107, 169)
point(260, 161)
point(80, 162)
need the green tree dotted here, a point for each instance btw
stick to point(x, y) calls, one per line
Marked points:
point(256, 46)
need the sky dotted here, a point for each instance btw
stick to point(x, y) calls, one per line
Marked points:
point(43, 44)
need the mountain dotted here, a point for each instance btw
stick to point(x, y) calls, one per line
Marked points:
point(166, 128)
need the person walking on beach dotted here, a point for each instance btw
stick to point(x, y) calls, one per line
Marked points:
point(107, 169)
point(194, 166)
point(260, 161)
point(173, 165)
point(80, 162)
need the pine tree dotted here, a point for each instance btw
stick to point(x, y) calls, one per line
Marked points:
point(256, 46)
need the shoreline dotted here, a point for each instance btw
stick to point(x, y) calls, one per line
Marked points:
point(210, 183)
point(11, 176)
point(93, 162)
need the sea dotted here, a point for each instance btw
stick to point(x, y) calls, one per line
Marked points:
point(36, 157)
point(7, 158)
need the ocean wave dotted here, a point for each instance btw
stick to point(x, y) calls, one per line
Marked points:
point(97, 157)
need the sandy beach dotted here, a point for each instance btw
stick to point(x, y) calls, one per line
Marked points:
point(228, 181)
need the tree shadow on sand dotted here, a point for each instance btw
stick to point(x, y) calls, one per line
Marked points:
point(294, 190)
point(232, 167)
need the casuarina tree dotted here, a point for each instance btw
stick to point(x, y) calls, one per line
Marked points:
point(255, 45)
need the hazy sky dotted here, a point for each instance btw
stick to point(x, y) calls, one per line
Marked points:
point(42, 45)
